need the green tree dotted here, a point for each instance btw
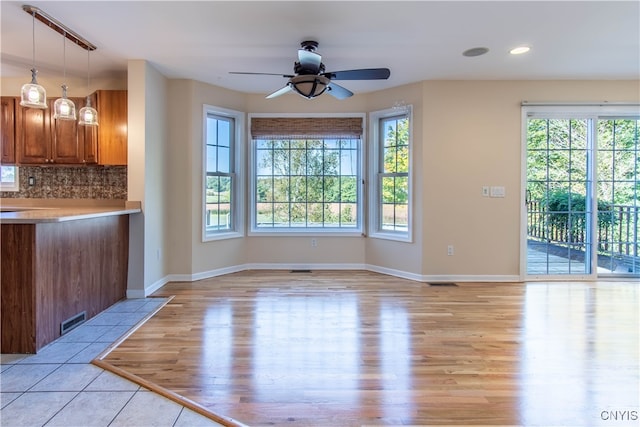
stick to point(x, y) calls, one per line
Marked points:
point(395, 190)
point(305, 183)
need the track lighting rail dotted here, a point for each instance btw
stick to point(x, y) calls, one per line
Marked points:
point(59, 27)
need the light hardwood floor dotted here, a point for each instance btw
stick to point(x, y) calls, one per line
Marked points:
point(355, 348)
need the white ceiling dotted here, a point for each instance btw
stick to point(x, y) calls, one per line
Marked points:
point(417, 40)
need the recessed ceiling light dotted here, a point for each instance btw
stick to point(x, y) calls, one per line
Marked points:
point(519, 50)
point(475, 51)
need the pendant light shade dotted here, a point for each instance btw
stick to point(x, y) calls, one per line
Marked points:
point(64, 108)
point(32, 94)
point(88, 114)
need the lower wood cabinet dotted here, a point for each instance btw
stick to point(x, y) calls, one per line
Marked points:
point(54, 271)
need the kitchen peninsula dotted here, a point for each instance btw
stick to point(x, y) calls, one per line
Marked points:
point(62, 262)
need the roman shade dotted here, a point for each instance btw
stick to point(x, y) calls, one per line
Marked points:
point(305, 127)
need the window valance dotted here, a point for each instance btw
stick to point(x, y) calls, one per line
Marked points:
point(305, 127)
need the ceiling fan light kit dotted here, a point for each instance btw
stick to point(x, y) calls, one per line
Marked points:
point(310, 79)
point(309, 86)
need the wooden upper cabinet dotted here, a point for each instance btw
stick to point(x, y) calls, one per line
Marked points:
point(7, 130)
point(33, 136)
point(40, 139)
point(67, 137)
point(112, 131)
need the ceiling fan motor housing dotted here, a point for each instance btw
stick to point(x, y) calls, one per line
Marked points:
point(309, 45)
point(299, 68)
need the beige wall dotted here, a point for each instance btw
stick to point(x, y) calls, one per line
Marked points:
point(387, 255)
point(208, 256)
point(472, 137)
point(147, 157)
point(466, 134)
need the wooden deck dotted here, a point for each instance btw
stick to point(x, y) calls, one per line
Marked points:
point(356, 348)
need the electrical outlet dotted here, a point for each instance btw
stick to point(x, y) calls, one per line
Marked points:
point(314, 243)
point(32, 181)
point(485, 191)
point(450, 250)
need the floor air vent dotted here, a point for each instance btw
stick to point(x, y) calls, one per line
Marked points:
point(443, 284)
point(72, 322)
point(301, 271)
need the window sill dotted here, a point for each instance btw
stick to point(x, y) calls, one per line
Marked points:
point(222, 236)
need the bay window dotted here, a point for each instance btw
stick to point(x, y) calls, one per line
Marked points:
point(306, 174)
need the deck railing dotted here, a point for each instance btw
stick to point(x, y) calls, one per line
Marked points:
point(617, 230)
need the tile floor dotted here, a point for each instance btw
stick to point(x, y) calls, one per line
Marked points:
point(60, 387)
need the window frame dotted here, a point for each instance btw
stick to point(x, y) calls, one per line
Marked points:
point(11, 186)
point(235, 165)
point(306, 231)
point(376, 173)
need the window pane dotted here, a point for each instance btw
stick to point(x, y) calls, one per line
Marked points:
point(332, 189)
point(8, 174)
point(219, 198)
point(264, 190)
point(281, 214)
point(349, 189)
point(224, 160)
point(218, 203)
point(306, 180)
point(348, 214)
point(393, 169)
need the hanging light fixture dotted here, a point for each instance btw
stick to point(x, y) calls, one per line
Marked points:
point(88, 114)
point(64, 108)
point(309, 85)
point(33, 95)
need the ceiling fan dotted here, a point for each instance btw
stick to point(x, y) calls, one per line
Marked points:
point(311, 80)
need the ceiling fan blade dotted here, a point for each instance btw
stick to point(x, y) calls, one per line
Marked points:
point(279, 92)
point(362, 74)
point(338, 91)
point(309, 61)
point(262, 74)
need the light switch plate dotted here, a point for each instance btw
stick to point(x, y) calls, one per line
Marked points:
point(497, 192)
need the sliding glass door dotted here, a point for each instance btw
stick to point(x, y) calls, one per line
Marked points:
point(617, 191)
point(581, 195)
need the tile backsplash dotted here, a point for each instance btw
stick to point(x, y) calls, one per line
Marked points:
point(60, 182)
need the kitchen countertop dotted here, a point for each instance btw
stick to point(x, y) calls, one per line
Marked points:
point(34, 211)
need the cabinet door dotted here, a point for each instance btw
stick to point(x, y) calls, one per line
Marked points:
point(66, 146)
point(89, 137)
point(112, 132)
point(7, 130)
point(33, 136)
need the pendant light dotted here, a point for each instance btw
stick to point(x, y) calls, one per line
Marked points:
point(32, 94)
point(64, 108)
point(88, 114)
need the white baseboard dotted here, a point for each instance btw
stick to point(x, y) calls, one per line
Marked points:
point(309, 266)
point(136, 293)
point(470, 278)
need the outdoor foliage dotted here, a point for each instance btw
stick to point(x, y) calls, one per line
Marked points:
point(307, 182)
point(396, 161)
point(556, 152)
point(568, 210)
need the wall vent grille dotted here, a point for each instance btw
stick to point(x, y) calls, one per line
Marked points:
point(73, 322)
